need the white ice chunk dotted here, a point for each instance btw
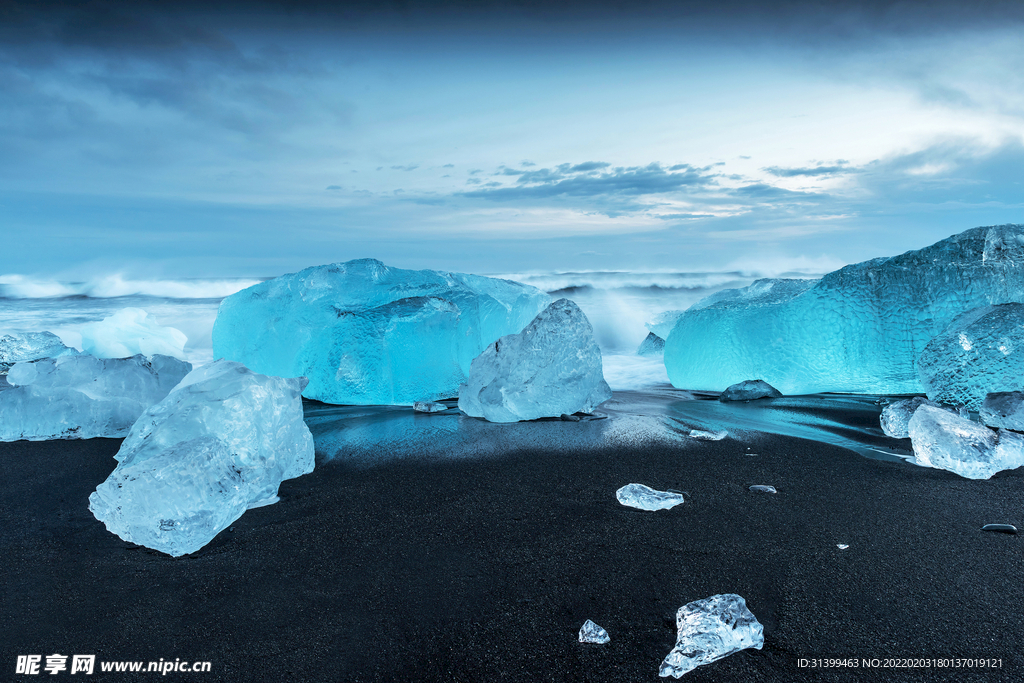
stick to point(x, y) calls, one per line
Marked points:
point(842, 546)
point(708, 436)
point(1004, 409)
point(859, 329)
point(980, 352)
point(592, 633)
point(895, 419)
point(646, 498)
point(763, 488)
point(428, 407)
point(364, 333)
point(131, 331)
point(710, 629)
point(944, 440)
point(82, 397)
point(221, 442)
point(552, 367)
point(749, 390)
point(19, 348)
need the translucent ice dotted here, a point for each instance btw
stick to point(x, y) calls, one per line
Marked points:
point(552, 367)
point(762, 488)
point(364, 333)
point(16, 348)
point(710, 629)
point(749, 390)
point(1004, 409)
point(896, 416)
point(663, 323)
point(592, 633)
point(82, 397)
point(646, 498)
point(131, 331)
point(944, 440)
point(652, 345)
point(428, 407)
point(981, 351)
point(221, 442)
point(858, 329)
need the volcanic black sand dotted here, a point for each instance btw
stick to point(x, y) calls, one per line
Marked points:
point(484, 570)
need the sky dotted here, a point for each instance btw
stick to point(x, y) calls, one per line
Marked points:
point(252, 139)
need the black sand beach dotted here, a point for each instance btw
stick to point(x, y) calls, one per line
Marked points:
point(479, 570)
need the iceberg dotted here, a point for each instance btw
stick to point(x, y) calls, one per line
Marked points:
point(364, 333)
point(221, 442)
point(83, 397)
point(646, 498)
point(710, 629)
point(981, 351)
point(592, 633)
point(17, 348)
point(749, 390)
point(944, 440)
point(859, 329)
point(1003, 409)
point(652, 345)
point(130, 332)
point(552, 367)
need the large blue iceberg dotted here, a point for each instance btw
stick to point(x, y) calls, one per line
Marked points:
point(859, 329)
point(365, 333)
point(220, 443)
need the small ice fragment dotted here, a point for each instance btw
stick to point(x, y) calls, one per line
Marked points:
point(709, 630)
point(1002, 528)
point(761, 488)
point(749, 390)
point(652, 345)
point(946, 441)
point(646, 498)
point(570, 418)
point(842, 546)
point(592, 633)
point(708, 436)
point(428, 407)
point(19, 348)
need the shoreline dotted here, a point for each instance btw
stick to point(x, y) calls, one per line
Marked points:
point(418, 568)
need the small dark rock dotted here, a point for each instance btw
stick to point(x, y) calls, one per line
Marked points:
point(1001, 528)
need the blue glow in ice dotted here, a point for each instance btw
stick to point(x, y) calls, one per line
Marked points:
point(364, 333)
point(859, 329)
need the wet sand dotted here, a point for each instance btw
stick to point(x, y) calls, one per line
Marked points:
point(421, 569)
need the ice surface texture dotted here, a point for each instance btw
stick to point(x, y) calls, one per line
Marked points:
point(364, 333)
point(82, 397)
point(221, 442)
point(944, 440)
point(17, 348)
point(131, 331)
point(710, 629)
point(895, 419)
point(750, 390)
point(652, 345)
point(981, 351)
point(858, 329)
point(646, 498)
point(1004, 409)
point(592, 633)
point(552, 367)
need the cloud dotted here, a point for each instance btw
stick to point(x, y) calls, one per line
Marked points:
point(334, 187)
point(812, 171)
point(410, 167)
